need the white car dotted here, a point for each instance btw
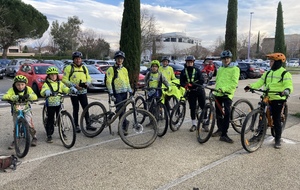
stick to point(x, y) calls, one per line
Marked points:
point(292, 63)
point(97, 78)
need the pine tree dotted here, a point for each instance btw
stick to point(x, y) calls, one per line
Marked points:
point(279, 33)
point(130, 42)
point(231, 28)
point(257, 45)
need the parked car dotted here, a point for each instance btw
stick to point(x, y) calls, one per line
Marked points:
point(106, 62)
point(177, 69)
point(103, 68)
point(57, 63)
point(144, 70)
point(141, 82)
point(292, 63)
point(36, 74)
point(97, 82)
point(13, 67)
point(263, 66)
point(3, 64)
point(248, 70)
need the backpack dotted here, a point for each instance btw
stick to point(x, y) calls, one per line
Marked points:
point(8, 162)
point(72, 70)
point(160, 79)
point(282, 75)
point(114, 77)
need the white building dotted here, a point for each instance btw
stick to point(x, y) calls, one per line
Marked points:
point(173, 44)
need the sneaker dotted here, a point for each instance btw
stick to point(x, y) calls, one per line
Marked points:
point(12, 145)
point(217, 134)
point(49, 139)
point(34, 141)
point(205, 128)
point(277, 144)
point(77, 129)
point(193, 128)
point(226, 139)
point(255, 138)
point(91, 128)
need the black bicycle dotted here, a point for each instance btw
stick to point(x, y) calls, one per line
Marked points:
point(153, 103)
point(139, 133)
point(258, 120)
point(63, 121)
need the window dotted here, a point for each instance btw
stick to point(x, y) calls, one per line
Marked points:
point(173, 39)
point(179, 39)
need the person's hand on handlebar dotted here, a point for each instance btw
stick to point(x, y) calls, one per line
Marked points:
point(247, 88)
point(188, 86)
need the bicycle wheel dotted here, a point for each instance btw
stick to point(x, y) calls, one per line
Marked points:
point(140, 103)
point(206, 124)
point(138, 135)
point(22, 138)
point(44, 115)
point(161, 116)
point(253, 130)
point(66, 129)
point(282, 120)
point(238, 113)
point(177, 116)
point(97, 119)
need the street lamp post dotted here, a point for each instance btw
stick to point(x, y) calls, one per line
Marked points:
point(251, 13)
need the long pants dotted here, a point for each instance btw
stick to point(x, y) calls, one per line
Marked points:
point(82, 98)
point(223, 121)
point(193, 97)
point(52, 112)
point(119, 98)
point(276, 107)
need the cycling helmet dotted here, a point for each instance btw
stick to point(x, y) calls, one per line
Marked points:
point(277, 57)
point(119, 54)
point(190, 58)
point(52, 70)
point(20, 78)
point(165, 58)
point(226, 53)
point(76, 54)
point(155, 62)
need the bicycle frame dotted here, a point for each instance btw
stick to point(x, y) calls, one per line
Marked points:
point(20, 111)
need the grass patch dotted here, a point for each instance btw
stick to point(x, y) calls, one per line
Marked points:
point(296, 115)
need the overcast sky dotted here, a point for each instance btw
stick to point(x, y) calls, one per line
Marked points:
point(203, 19)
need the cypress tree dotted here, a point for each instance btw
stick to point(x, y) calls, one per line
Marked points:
point(231, 28)
point(279, 33)
point(130, 42)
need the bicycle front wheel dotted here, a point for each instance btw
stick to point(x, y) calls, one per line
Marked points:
point(66, 129)
point(177, 116)
point(162, 119)
point(97, 118)
point(253, 130)
point(138, 135)
point(239, 111)
point(22, 138)
point(206, 124)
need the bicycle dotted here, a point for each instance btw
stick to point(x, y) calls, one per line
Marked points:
point(258, 120)
point(204, 116)
point(63, 121)
point(238, 110)
point(21, 129)
point(136, 135)
point(153, 103)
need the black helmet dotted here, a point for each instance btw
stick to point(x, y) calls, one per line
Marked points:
point(119, 54)
point(226, 53)
point(190, 58)
point(165, 58)
point(76, 54)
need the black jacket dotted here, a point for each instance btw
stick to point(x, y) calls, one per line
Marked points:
point(197, 79)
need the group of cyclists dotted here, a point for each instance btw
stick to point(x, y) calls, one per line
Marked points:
point(161, 77)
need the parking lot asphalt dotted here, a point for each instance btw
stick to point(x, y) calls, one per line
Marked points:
point(175, 161)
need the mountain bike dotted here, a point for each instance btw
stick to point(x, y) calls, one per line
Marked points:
point(21, 128)
point(63, 121)
point(258, 120)
point(153, 103)
point(139, 133)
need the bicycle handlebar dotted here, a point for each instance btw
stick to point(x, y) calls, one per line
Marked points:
point(266, 92)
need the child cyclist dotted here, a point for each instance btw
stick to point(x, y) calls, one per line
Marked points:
point(50, 89)
point(155, 79)
point(19, 91)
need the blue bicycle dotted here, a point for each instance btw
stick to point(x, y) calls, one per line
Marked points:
point(21, 130)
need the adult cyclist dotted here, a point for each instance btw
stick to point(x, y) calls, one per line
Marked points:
point(277, 79)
